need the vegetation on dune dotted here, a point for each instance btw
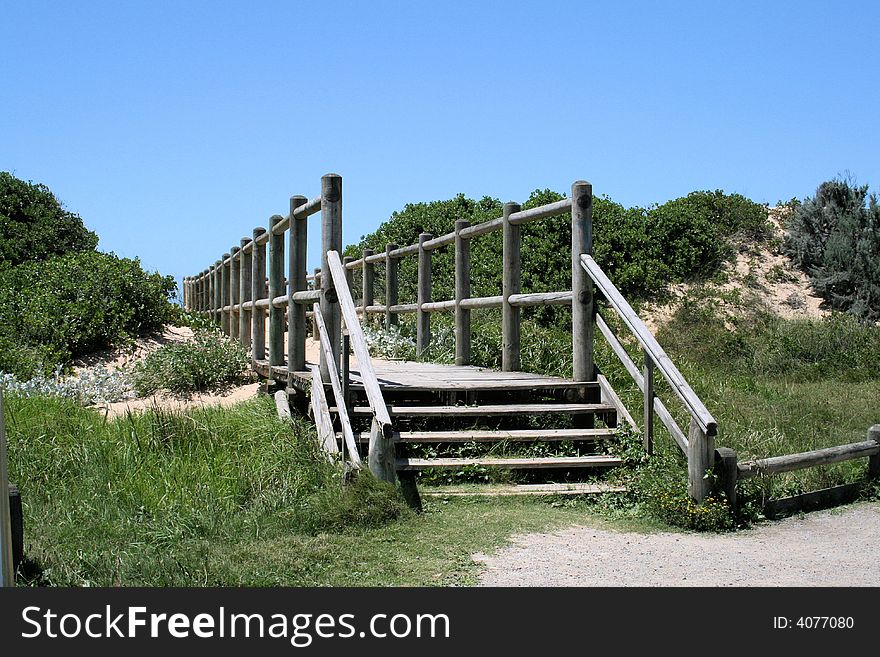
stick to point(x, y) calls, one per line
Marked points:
point(835, 238)
point(59, 298)
point(207, 362)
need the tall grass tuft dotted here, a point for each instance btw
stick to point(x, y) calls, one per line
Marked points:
point(140, 499)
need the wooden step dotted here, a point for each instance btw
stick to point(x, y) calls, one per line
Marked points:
point(488, 436)
point(488, 410)
point(503, 490)
point(489, 385)
point(595, 461)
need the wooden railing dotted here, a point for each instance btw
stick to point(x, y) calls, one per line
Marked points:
point(235, 293)
point(511, 299)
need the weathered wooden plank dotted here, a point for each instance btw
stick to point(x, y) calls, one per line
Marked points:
point(321, 414)
point(789, 462)
point(701, 461)
point(595, 461)
point(282, 404)
point(333, 374)
point(542, 212)
point(498, 435)
point(489, 409)
point(482, 228)
point(524, 489)
point(659, 407)
point(359, 344)
point(541, 299)
point(609, 396)
point(813, 500)
point(874, 461)
point(648, 403)
point(483, 302)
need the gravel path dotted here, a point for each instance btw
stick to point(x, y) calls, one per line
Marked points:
point(828, 548)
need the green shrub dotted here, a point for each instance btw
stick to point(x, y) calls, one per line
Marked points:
point(34, 225)
point(208, 361)
point(641, 250)
point(835, 238)
point(70, 305)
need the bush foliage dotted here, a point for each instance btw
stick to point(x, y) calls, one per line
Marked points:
point(34, 225)
point(642, 250)
point(835, 238)
point(67, 306)
point(208, 361)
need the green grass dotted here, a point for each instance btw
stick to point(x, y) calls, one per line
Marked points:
point(233, 497)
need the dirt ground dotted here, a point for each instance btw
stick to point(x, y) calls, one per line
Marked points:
point(828, 548)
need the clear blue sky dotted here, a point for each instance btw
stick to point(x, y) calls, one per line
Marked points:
point(174, 128)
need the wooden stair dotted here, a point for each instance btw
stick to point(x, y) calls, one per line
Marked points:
point(498, 490)
point(496, 435)
point(567, 462)
point(487, 410)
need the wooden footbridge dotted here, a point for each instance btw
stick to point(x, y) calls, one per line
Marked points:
point(390, 414)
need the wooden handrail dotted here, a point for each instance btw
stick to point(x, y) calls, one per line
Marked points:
point(648, 342)
point(336, 384)
point(359, 344)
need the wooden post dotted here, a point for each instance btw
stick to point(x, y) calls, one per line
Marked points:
point(874, 461)
point(701, 457)
point(510, 281)
point(244, 294)
point(276, 289)
point(331, 240)
point(183, 292)
point(258, 291)
point(234, 290)
point(423, 318)
point(216, 294)
point(726, 471)
point(582, 309)
point(296, 312)
point(381, 455)
point(7, 572)
point(390, 286)
point(317, 286)
point(367, 283)
point(226, 297)
point(462, 291)
point(648, 394)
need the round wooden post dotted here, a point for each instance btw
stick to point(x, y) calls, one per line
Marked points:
point(331, 240)
point(276, 289)
point(648, 406)
point(874, 461)
point(224, 293)
point(510, 281)
point(184, 285)
point(423, 318)
point(244, 294)
point(701, 459)
point(258, 291)
point(582, 309)
point(349, 276)
point(727, 472)
point(234, 290)
point(367, 283)
point(7, 568)
point(390, 286)
point(462, 291)
point(317, 286)
point(216, 294)
point(296, 312)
